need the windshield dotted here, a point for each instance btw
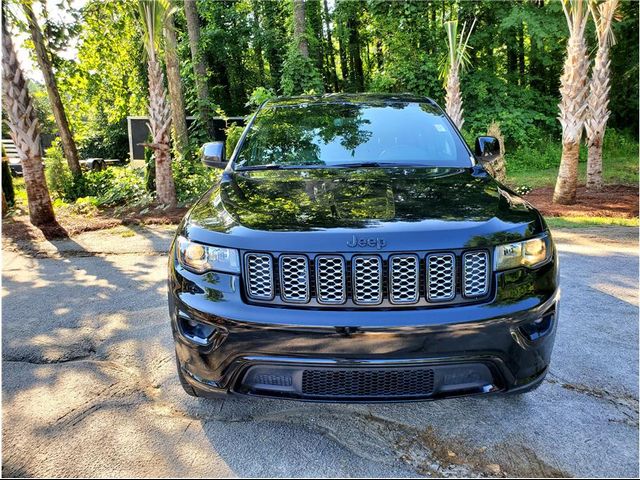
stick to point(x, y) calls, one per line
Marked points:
point(338, 134)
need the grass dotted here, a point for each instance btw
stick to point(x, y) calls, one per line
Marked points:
point(537, 166)
point(583, 221)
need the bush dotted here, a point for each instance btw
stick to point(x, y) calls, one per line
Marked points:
point(111, 142)
point(233, 132)
point(192, 180)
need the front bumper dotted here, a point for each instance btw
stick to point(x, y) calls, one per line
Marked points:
point(461, 350)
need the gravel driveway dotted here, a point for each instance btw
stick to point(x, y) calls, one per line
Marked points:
point(89, 385)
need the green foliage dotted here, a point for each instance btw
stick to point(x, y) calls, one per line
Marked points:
point(234, 132)
point(192, 179)
point(299, 75)
point(536, 165)
point(112, 141)
point(112, 186)
point(259, 96)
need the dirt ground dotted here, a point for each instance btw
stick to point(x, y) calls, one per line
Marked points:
point(89, 385)
point(613, 201)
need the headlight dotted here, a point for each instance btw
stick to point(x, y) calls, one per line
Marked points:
point(529, 253)
point(202, 258)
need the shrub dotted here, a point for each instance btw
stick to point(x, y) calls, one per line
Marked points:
point(192, 179)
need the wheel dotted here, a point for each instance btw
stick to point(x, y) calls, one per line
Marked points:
point(189, 390)
point(103, 165)
point(97, 166)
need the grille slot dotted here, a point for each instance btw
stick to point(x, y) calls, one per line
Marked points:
point(403, 279)
point(475, 274)
point(331, 285)
point(367, 279)
point(259, 273)
point(441, 277)
point(353, 383)
point(294, 278)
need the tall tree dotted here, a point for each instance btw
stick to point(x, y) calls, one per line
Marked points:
point(456, 58)
point(574, 90)
point(598, 109)
point(176, 95)
point(355, 58)
point(199, 66)
point(300, 27)
point(25, 132)
point(44, 62)
point(330, 50)
point(152, 13)
point(299, 72)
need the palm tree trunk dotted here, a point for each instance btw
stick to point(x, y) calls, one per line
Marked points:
point(44, 62)
point(594, 164)
point(199, 67)
point(25, 132)
point(453, 97)
point(567, 183)
point(598, 109)
point(574, 89)
point(176, 96)
point(159, 125)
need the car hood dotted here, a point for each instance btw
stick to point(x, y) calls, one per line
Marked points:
point(323, 209)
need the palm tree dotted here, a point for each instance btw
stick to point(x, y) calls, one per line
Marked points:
point(598, 109)
point(176, 95)
point(152, 13)
point(456, 60)
point(574, 90)
point(25, 132)
point(44, 62)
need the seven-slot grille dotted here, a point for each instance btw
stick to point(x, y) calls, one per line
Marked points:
point(368, 279)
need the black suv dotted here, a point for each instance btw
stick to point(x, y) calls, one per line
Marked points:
point(355, 249)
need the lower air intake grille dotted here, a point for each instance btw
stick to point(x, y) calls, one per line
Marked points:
point(407, 382)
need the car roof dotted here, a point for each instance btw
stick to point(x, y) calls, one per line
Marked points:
point(350, 98)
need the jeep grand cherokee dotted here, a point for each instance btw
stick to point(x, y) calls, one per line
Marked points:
point(355, 249)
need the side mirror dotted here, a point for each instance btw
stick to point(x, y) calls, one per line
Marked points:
point(487, 149)
point(213, 155)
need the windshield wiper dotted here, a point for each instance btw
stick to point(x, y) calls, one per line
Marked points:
point(268, 166)
point(374, 165)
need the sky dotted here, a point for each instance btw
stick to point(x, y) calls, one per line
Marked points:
point(25, 55)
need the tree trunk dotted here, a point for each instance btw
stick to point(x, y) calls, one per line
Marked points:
point(199, 67)
point(44, 62)
point(257, 29)
point(521, 60)
point(25, 132)
point(176, 96)
point(573, 104)
point(355, 63)
point(159, 125)
point(299, 27)
point(567, 183)
point(453, 97)
point(333, 72)
point(599, 86)
point(344, 62)
point(594, 164)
